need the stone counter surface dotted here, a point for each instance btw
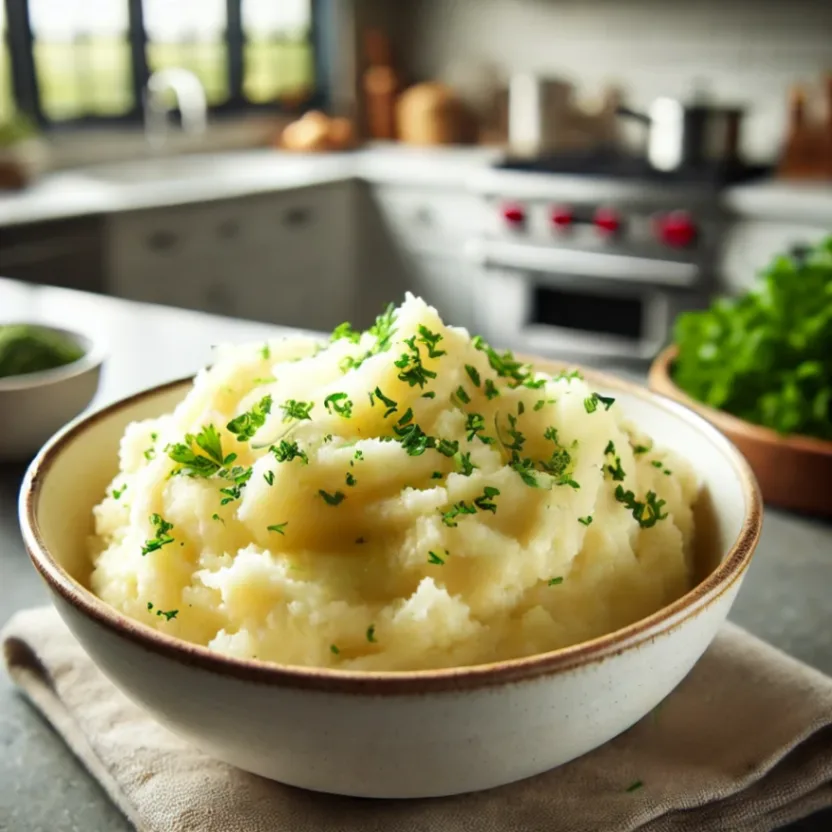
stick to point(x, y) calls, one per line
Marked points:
point(91, 191)
point(785, 598)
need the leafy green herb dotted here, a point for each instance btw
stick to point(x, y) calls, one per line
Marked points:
point(345, 331)
point(504, 364)
point(371, 633)
point(585, 521)
point(150, 453)
point(430, 340)
point(591, 404)
point(464, 464)
point(269, 477)
point(414, 440)
point(656, 463)
point(435, 559)
point(539, 404)
point(238, 476)
point(216, 516)
point(486, 502)
point(117, 492)
point(410, 363)
point(436, 475)
point(534, 383)
point(429, 395)
point(447, 447)
point(450, 517)
point(525, 470)
point(261, 380)
point(359, 455)
point(616, 471)
point(473, 374)
point(565, 479)
point(521, 408)
point(332, 499)
point(382, 330)
point(555, 581)
point(340, 403)
point(247, 424)
point(646, 513)
point(667, 472)
point(265, 352)
point(293, 409)
point(474, 425)
point(287, 451)
point(491, 391)
point(462, 395)
point(551, 433)
point(407, 418)
point(162, 537)
point(277, 527)
point(766, 357)
point(607, 401)
point(642, 449)
point(388, 403)
point(350, 479)
point(168, 615)
point(634, 787)
point(610, 449)
point(334, 650)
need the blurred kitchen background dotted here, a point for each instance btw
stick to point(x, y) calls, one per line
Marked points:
point(563, 176)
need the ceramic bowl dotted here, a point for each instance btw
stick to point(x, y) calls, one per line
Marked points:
point(33, 406)
point(794, 472)
point(394, 734)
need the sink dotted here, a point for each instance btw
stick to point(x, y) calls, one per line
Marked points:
point(169, 168)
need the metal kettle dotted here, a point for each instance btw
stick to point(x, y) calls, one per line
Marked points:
point(682, 136)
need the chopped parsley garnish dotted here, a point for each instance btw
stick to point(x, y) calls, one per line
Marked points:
point(616, 471)
point(388, 403)
point(656, 463)
point(331, 499)
point(474, 425)
point(287, 451)
point(117, 492)
point(414, 440)
point(539, 404)
point(216, 516)
point(265, 352)
point(591, 404)
point(634, 787)
point(504, 364)
point(610, 449)
point(485, 503)
point(238, 476)
point(168, 615)
point(200, 465)
point(293, 409)
point(642, 449)
point(585, 521)
point(350, 479)
point(382, 330)
point(462, 395)
point(345, 331)
point(557, 463)
point(447, 447)
point(430, 340)
point(247, 424)
point(340, 403)
point(162, 538)
point(410, 363)
point(327, 438)
point(334, 650)
point(521, 408)
point(517, 438)
point(551, 433)
point(278, 527)
point(607, 401)
point(491, 391)
point(535, 383)
point(407, 418)
point(667, 472)
point(435, 559)
point(473, 374)
point(261, 380)
point(429, 395)
point(371, 633)
point(269, 477)
point(449, 517)
point(436, 475)
point(567, 480)
point(150, 453)
point(525, 470)
point(555, 581)
point(646, 513)
point(464, 464)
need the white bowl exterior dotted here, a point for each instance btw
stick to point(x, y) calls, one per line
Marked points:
point(394, 744)
point(403, 746)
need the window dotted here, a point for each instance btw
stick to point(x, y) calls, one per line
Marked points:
point(75, 61)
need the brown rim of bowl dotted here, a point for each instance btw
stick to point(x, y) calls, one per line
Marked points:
point(396, 682)
point(660, 369)
point(94, 354)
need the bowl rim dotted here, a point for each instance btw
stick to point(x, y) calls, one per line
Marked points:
point(660, 370)
point(94, 354)
point(666, 619)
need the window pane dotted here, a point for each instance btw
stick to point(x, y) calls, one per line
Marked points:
point(278, 54)
point(6, 100)
point(190, 34)
point(82, 57)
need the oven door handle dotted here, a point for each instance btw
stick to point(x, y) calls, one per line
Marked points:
point(519, 256)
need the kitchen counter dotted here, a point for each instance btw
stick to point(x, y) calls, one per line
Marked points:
point(785, 598)
point(85, 191)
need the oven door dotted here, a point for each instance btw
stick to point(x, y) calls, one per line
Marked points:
point(562, 314)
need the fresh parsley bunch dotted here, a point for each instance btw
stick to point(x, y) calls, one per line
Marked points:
point(766, 356)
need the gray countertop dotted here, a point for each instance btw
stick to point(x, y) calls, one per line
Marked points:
point(105, 189)
point(785, 598)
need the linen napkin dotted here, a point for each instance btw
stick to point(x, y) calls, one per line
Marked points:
point(744, 743)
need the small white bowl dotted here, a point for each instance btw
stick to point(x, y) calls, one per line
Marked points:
point(33, 406)
point(405, 734)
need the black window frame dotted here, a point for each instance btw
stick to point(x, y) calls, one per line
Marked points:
point(25, 80)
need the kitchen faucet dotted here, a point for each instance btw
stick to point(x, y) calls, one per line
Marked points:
point(190, 97)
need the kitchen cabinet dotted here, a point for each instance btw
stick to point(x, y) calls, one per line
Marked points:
point(425, 231)
point(284, 258)
point(67, 253)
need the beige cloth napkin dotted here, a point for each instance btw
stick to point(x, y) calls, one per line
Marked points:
point(745, 743)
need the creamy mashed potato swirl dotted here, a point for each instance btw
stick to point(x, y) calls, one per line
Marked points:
point(398, 499)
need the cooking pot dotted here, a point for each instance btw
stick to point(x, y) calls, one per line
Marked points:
point(689, 136)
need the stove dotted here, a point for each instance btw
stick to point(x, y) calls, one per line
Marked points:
point(592, 255)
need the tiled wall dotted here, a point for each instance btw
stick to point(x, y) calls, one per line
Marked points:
point(746, 51)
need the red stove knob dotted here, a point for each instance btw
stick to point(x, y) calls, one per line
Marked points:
point(677, 229)
point(514, 214)
point(562, 217)
point(607, 221)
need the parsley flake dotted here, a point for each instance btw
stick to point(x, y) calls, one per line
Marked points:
point(462, 395)
point(269, 477)
point(464, 464)
point(555, 581)
point(287, 451)
point(616, 471)
point(247, 424)
point(388, 403)
point(340, 404)
point(435, 559)
point(265, 352)
point(585, 521)
point(474, 425)
point(350, 479)
point(642, 449)
point(646, 513)
point(117, 492)
point(473, 374)
point(162, 538)
point(610, 449)
point(345, 331)
point(293, 409)
point(491, 391)
point(429, 395)
point(371, 633)
point(410, 363)
point(332, 499)
point(334, 650)
point(430, 340)
point(634, 787)
point(278, 527)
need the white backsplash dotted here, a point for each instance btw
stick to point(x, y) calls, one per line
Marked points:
point(745, 51)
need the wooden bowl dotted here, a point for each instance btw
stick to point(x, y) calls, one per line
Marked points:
point(794, 472)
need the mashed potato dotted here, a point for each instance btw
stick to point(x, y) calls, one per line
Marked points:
point(403, 498)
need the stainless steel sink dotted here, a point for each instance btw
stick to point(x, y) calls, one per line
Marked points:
point(169, 168)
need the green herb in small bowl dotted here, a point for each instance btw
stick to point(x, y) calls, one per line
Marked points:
point(28, 349)
point(766, 357)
